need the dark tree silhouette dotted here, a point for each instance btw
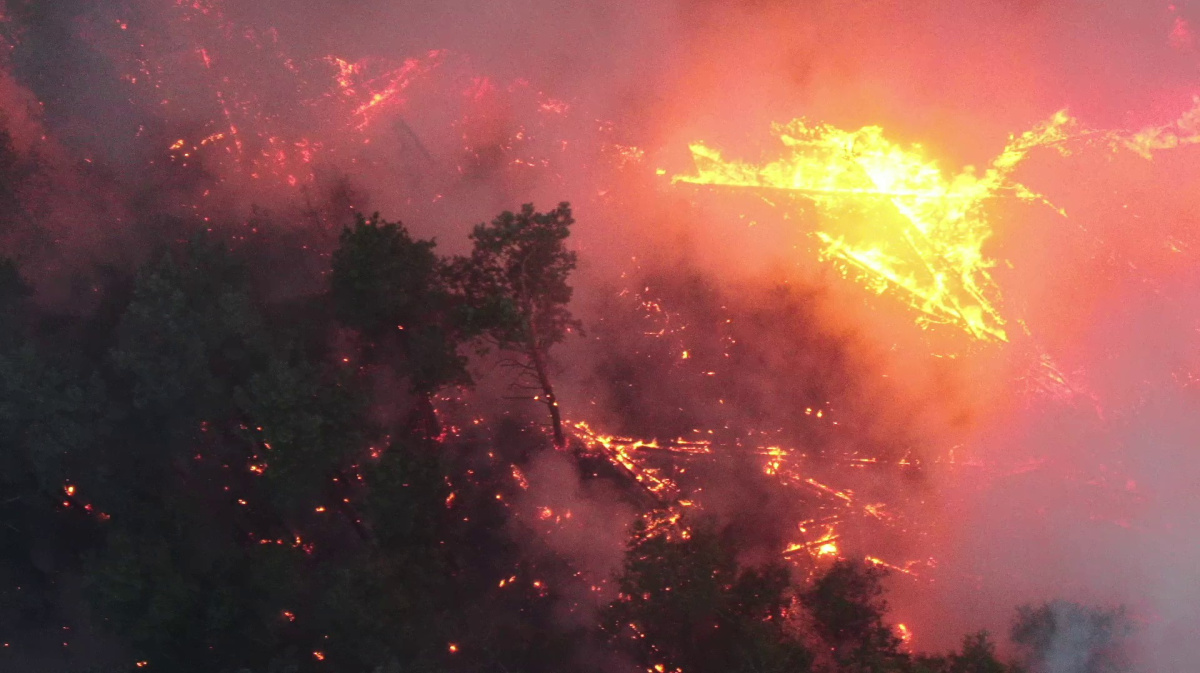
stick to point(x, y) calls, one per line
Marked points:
point(393, 289)
point(686, 604)
point(516, 281)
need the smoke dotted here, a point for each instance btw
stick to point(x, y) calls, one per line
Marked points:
point(1054, 466)
point(1062, 637)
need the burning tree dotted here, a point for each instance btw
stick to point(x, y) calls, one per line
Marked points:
point(516, 282)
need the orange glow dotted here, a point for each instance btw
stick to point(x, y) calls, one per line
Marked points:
point(775, 461)
point(385, 90)
point(844, 495)
point(884, 564)
point(904, 633)
point(618, 449)
point(520, 477)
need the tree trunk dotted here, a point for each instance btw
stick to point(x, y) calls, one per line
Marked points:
point(539, 366)
point(538, 359)
point(423, 418)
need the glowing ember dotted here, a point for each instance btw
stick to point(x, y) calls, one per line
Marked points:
point(884, 564)
point(904, 634)
point(619, 449)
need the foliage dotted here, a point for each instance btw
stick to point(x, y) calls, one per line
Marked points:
point(685, 604)
point(516, 277)
point(978, 656)
point(515, 285)
point(848, 609)
point(308, 419)
point(391, 287)
point(189, 331)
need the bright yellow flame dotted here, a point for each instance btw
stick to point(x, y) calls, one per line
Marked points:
point(620, 451)
point(904, 633)
point(898, 221)
point(775, 460)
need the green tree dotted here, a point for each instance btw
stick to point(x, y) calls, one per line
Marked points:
point(685, 603)
point(978, 655)
point(180, 576)
point(197, 600)
point(515, 280)
point(393, 290)
point(190, 330)
point(847, 609)
point(51, 419)
point(302, 423)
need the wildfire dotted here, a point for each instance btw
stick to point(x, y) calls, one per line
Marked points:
point(822, 546)
point(619, 451)
point(665, 523)
point(774, 461)
point(383, 91)
point(897, 218)
point(820, 538)
point(903, 225)
point(890, 215)
point(884, 564)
